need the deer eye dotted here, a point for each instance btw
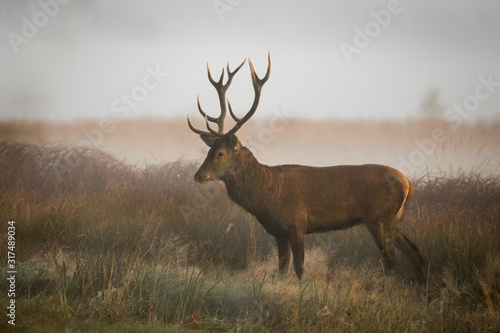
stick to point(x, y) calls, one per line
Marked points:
point(220, 154)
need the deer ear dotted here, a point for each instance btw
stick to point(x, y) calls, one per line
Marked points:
point(209, 139)
point(234, 142)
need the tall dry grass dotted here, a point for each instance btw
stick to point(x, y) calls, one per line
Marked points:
point(281, 140)
point(106, 245)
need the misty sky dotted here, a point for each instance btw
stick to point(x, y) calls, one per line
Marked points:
point(67, 60)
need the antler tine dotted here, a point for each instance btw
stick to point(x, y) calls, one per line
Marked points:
point(219, 120)
point(255, 79)
point(257, 86)
point(221, 91)
point(231, 74)
point(212, 81)
point(203, 114)
point(210, 130)
point(236, 119)
point(197, 131)
point(219, 86)
point(219, 133)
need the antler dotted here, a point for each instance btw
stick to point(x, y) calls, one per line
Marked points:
point(221, 90)
point(257, 87)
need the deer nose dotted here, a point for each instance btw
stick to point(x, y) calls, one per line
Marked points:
point(197, 177)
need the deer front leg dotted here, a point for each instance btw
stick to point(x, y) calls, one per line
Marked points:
point(283, 254)
point(297, 245)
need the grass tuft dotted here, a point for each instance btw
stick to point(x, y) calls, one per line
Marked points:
point(105, 245)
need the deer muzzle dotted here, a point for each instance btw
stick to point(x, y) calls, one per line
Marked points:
point(201, 178)
point(197, 177)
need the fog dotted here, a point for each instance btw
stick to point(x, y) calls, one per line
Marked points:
point(70, 60)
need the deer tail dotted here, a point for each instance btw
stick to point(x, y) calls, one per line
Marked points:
point(412, 252)
point(408, 193)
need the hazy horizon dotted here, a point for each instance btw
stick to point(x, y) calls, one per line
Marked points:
point(68, 60)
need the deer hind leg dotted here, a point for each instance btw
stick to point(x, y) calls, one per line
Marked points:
point(413, 253)
point(384, 241)
point(297, 245)
point(283, 254)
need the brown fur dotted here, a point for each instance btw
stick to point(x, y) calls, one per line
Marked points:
point(292, 200)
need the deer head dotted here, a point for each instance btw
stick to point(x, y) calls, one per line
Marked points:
point(223, 156)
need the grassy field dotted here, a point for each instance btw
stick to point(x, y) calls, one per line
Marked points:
point(105, 245)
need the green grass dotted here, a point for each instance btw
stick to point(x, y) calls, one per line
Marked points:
point(103, 245)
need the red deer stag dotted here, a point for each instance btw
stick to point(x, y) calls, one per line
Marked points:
point(293, 200)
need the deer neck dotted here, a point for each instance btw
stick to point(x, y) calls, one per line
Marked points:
point(251, 183)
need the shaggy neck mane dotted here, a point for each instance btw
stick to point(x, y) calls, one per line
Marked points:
point(250, 182)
